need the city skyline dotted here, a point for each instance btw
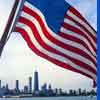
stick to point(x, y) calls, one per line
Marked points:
point(18, 60)
point(32, 87)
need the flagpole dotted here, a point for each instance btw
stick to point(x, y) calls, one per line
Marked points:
point(8, 25)
point(18, 14)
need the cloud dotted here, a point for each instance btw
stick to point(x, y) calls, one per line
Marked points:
point(88, 9)
point(19, 62)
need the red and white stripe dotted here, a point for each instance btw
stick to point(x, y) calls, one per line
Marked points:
point(74, 48)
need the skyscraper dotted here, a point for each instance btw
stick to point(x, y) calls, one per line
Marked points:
point(17, 86)
point(36, 83)
point(30, 84)
point(0, 83)
point(25, 89)
point(44, 90)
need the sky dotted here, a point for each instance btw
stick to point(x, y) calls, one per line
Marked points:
point(18, 62)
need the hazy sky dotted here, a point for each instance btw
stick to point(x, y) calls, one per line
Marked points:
point(19, 62)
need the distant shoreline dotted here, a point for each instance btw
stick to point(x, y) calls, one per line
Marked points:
point(42, 96)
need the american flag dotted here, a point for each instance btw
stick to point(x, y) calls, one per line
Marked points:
point(56, 31)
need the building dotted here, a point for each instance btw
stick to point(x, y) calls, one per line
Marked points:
point(44, 90)
point(30, 84)
point(17, 84)
point(0, 83)
point(50, 91)
point(17, 87)
point(56, 92)
point(79, 91)
point(26, 89)
point(2, 91)
point(7, 87)
point(36, 83)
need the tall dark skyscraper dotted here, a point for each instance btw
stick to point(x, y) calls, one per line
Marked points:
point(30, 84)
point(17, 85)
point(0, 83)
point(36, 83)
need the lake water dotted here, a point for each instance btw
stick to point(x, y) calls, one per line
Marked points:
point(53, 98)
